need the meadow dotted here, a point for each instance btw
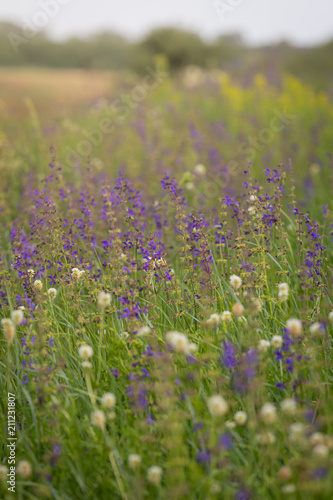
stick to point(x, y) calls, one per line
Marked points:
point(165, 287)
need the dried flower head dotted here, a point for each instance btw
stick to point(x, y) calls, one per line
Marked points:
point(238, 309)
point(235, 282)
point(295, 327)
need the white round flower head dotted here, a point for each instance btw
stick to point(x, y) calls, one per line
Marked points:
point(217, 405)
point(87, 365)
point(265, 438)
point(31, 273)
point(296, 431)
point(189, 186)
point(295, 327)
point(240, 417)
point(52, 293)
point(288, 489)
point(17, 316)
point(178, 341)
point(283, 288)
point(85, 352)
point(104, 300)
point(317, 438)
point(154, 474)
point(8, 329)
point(98, 419)
point(316, 329)
point(320, 451)
point(143, 331)
point(238, 309)
point(330, 317)
point(283, 296)
point(226, 316)
point(108, 400)
point(21, 308)
point(263, 345)
point(3, 472)
point(277, 341)
point(289, 406)
point(76, 273)
point(134, 460)
point(235, 282)
point(268, 413)
point(230, 424)
point(200, 169)
point(253, 198)
point(252, 210)
point(213, 320)
point(124, 335)
point(24, 469)
point(192, 348)
point(38, 285)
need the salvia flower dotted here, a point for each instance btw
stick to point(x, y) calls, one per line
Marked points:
point(8, 329)
point(154, 474)
point(52, 293)
point(235, 282)
point(38, 285)
point(17, 316)
point(104, 300)
point(217, 405)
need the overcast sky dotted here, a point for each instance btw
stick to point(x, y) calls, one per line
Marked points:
point(303, 22)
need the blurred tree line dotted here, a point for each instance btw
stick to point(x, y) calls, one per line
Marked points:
point(111, 51)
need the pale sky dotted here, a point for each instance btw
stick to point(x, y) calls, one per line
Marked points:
point(303, 22)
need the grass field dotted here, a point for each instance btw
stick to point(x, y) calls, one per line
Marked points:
point(165, 287)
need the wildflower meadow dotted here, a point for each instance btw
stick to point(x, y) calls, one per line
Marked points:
point(165, 292)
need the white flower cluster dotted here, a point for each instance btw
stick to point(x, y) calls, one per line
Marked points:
point(283, 294)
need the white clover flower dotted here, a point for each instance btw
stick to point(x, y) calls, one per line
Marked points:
point(38, 285)
point(217, 405)
point(235, 282)
point(289, 406)
point(85, 352)
point(213, 320)
point(317, 438)
point(104, 300)
point(268, 413)
point(320, 451)
point(283, 288)
point(154, 474)
point(230, 424)
point(8, 329)
point(238, 310)
point(226, 316)
point(98, 419)
point(108, 400)
point(3, 472)
point(240, 417)
point(288, 489)
point(263, 345)
point(296, 431)
point(24, 469)
point(134, 460)
point(277, 341)
point(283, 296)
point(52, 293)
point(192, 348)
point(265, 438)
point(200, 169)
point(17, 316)
point(316, 329)
point(87, 365)
point(143, 331)
point(31, 273)
point(330, 317)
point(178, 341)
point(76, 273)
point(295, 327)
